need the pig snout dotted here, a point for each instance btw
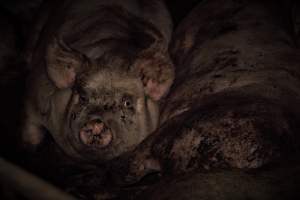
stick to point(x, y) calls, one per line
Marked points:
point(96, 134)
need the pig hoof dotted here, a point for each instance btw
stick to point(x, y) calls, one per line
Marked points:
point(96, 134)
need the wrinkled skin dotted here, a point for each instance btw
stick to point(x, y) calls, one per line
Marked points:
point(236, 97)
point(98, 72)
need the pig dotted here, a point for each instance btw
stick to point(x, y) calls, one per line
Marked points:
point(98, 71)
point(235, 101)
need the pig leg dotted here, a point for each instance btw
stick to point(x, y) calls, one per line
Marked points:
point(32, 136)
point(33, 132)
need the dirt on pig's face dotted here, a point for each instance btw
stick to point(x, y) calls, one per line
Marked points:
point(108, 112)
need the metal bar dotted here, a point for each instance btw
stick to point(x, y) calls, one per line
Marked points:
point(29, 185)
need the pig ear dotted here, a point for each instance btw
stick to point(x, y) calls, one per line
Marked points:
point(156, 72)
point(63, 63)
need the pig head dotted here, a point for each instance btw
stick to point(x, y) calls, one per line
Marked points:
point(110, 109)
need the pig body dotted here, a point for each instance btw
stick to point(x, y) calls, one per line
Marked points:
point(239, 106)
point(235, 99)
point(98, 71)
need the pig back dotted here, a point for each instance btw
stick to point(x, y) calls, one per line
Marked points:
point(236, 97)
point(95, 27)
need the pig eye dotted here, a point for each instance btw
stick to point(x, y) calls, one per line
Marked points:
point(83, 99)
point(127, 103)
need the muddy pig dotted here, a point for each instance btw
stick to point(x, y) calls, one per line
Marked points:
point(236, 96)
point(98, 72)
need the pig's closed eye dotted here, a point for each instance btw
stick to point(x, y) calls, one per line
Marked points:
point(83, 99)
point(80, 93)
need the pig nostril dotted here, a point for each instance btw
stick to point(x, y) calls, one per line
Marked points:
point(122, 116)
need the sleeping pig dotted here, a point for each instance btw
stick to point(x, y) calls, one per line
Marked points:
point(98, 70)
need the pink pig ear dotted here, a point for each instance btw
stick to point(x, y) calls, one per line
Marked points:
point(63, 64)
point(156, 72)
point(156, 90)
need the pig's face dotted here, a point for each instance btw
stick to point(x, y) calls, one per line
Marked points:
point(111, 109)
point(109, 112)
